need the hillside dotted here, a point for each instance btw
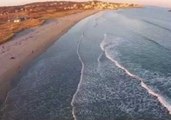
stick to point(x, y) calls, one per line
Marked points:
point(16, 18)
point(36, 10)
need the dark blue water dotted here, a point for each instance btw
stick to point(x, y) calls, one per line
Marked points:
point(115, 65)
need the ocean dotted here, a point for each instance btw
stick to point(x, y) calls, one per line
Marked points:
point(114, 65)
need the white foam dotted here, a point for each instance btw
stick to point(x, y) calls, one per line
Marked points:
point(160, 98)
point(81, 78)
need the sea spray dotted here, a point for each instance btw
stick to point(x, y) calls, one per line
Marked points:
point(81, 78)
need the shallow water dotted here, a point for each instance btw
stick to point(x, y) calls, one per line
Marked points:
point(115, 65)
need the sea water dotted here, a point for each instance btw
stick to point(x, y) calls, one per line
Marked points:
point(114, 65)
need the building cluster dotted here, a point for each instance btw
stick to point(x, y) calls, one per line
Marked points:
point(101, 5)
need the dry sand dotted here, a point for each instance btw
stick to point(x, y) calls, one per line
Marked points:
point(29, 44)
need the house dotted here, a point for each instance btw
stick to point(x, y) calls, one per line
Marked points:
point(20, 19)
point(17, 20)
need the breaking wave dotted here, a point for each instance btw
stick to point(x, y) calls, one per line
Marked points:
point(106, 46)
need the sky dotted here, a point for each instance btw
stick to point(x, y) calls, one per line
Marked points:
point(163, 3)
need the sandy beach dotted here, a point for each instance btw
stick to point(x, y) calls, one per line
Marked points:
point(30, 43)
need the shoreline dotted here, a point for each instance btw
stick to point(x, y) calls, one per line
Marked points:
point(21, 50)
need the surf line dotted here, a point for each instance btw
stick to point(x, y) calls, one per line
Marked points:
point(160, 98)
point(81, 78)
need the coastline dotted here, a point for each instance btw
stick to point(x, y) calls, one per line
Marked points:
point(27, 45)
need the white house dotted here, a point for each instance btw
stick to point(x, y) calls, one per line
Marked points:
point(17, 20)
